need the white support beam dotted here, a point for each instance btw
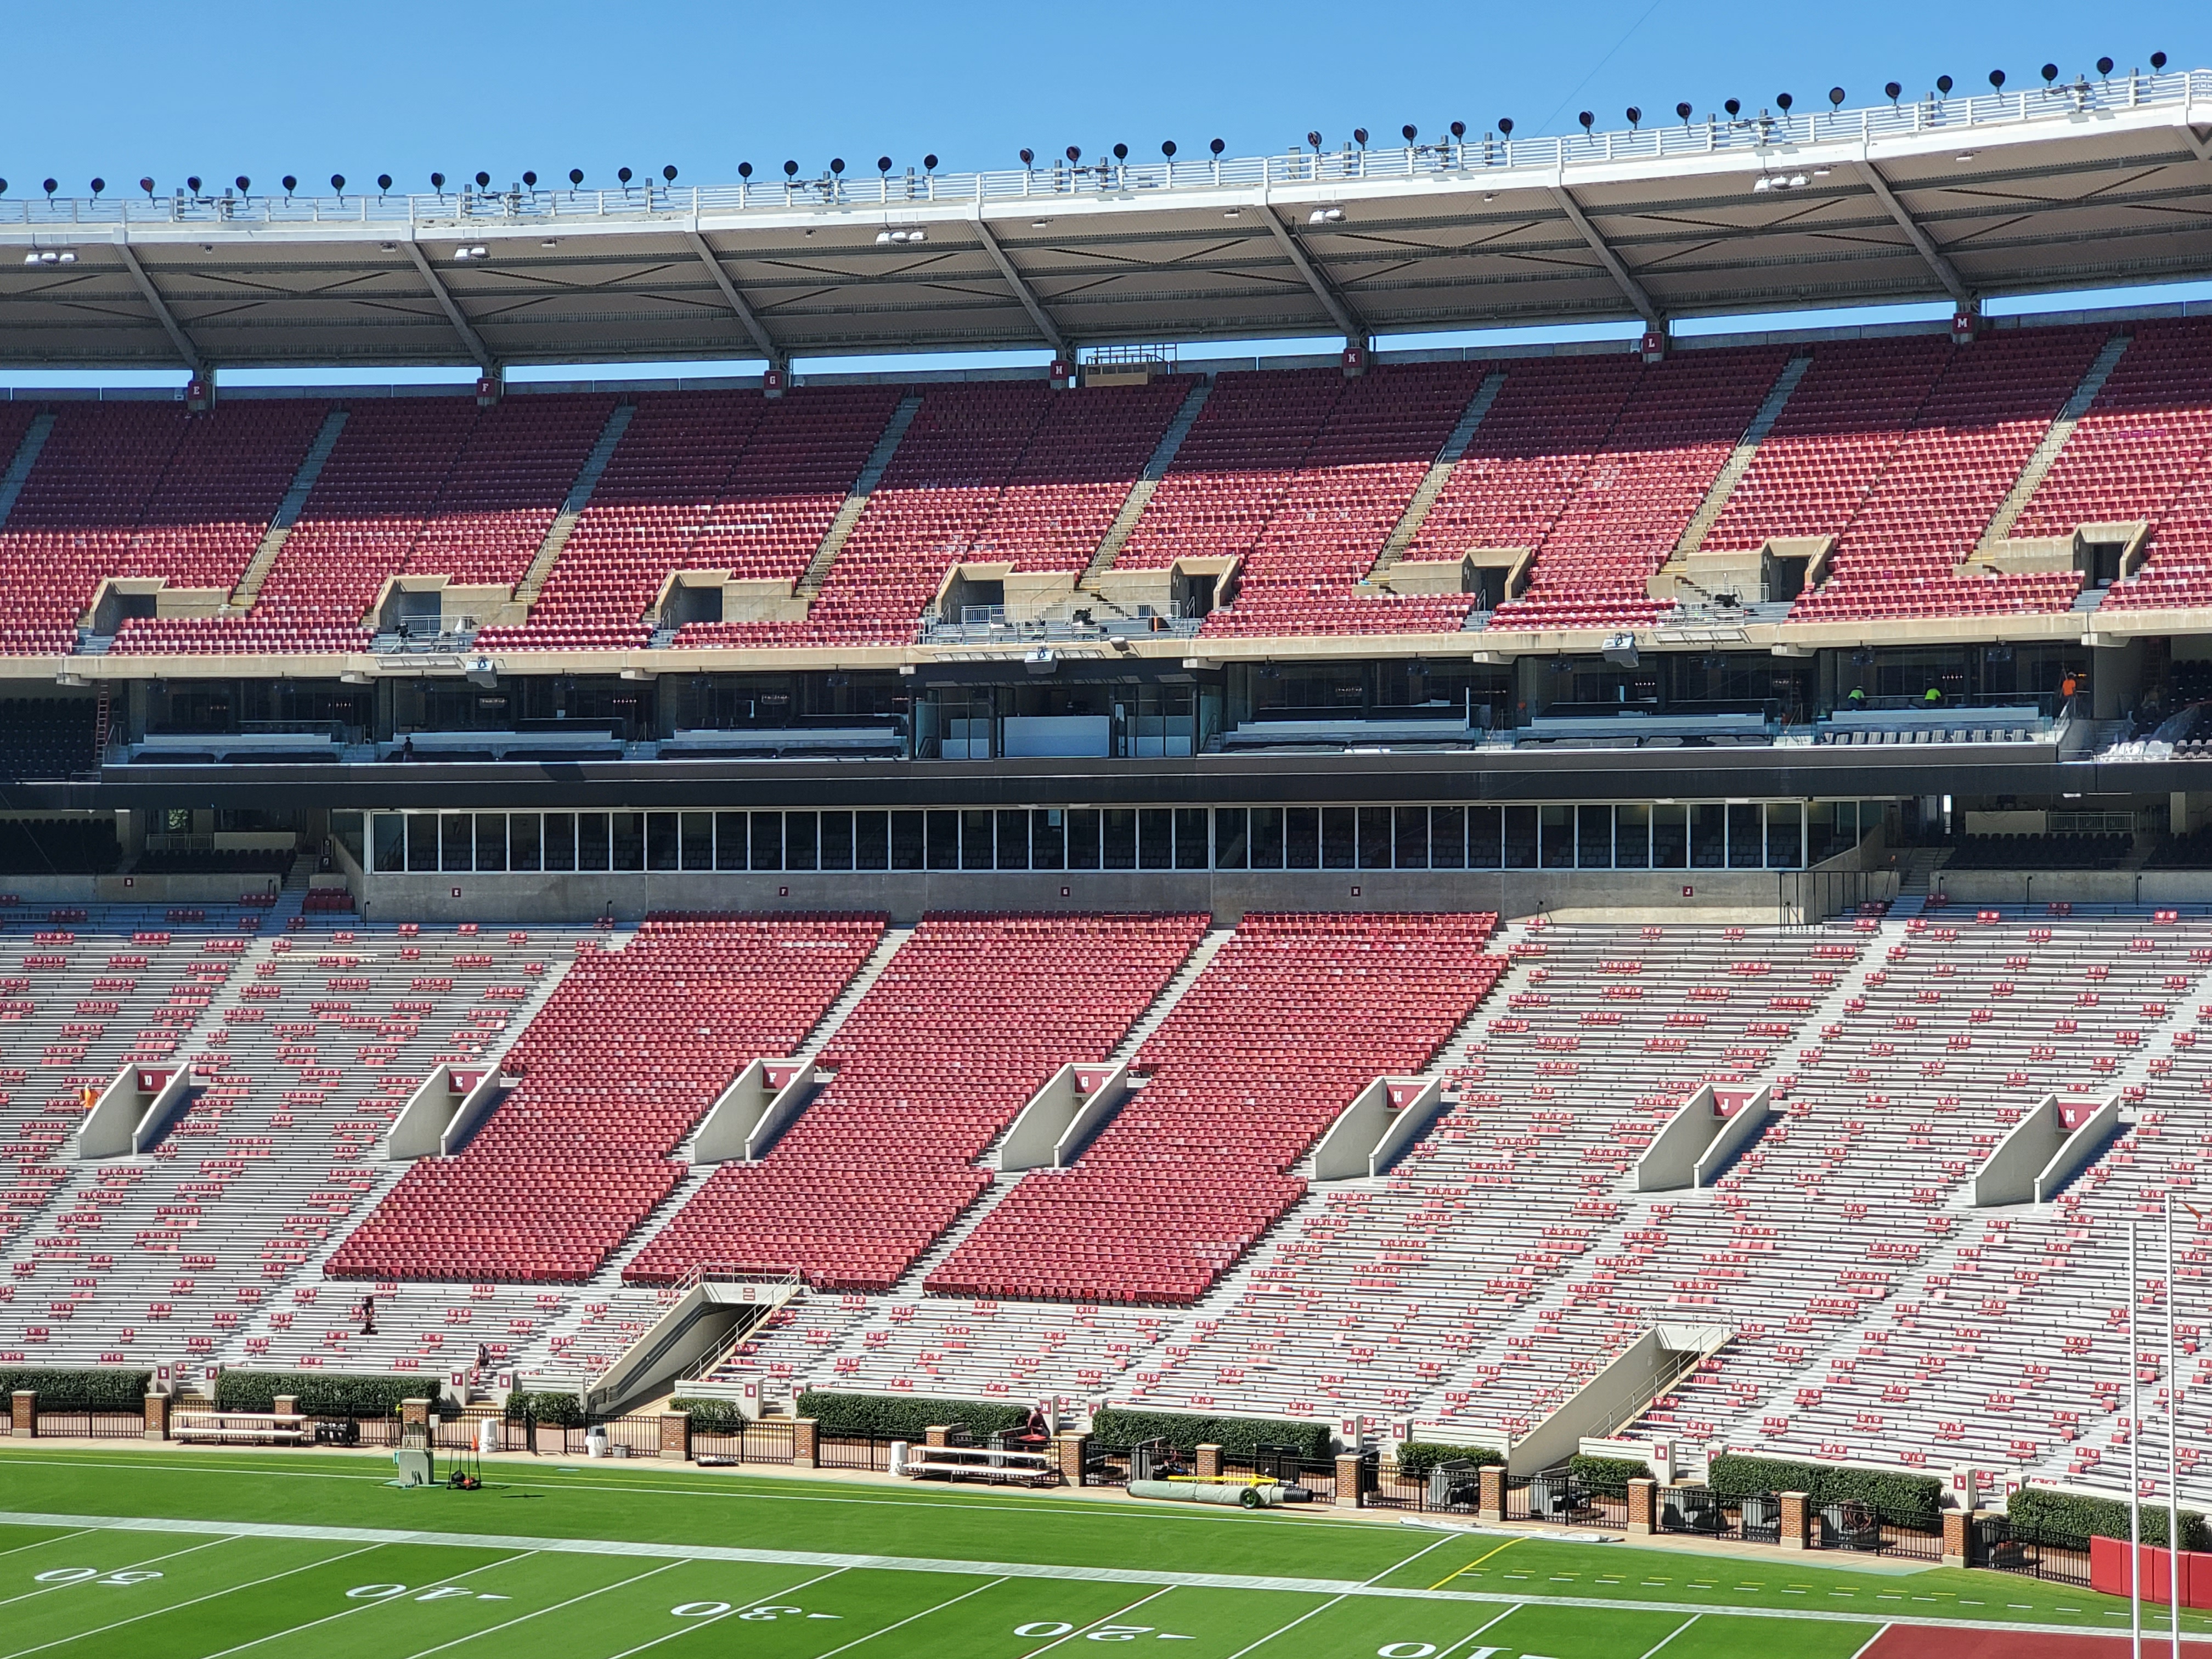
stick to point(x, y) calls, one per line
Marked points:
point(1340, 313)
point(470, 338)
point(1946, 273)
point(743, 313)
point(1038, 315)
point(162, 314)
point(1629, 287)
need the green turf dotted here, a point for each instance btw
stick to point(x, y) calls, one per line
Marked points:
point(574, 1561)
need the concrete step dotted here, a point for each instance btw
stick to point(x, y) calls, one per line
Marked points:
point(288, 514)
point(1140, 493)
point(1439, 473)
point(1741, 457)
point(2040, 464)
point(19, 467)
point(580, 497)
point(855, 503)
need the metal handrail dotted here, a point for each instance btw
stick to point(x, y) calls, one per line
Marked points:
point(1489, 156)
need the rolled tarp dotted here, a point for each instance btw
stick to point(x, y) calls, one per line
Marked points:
point(1203, 1491)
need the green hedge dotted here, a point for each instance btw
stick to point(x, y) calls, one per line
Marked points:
point(100, 1388)
point(890, 1417)
point(711, 1416)
point(549, 1408)
point(2099, 1517)
point(1417, 1457)
point(1608, 1476)
point(1185, 1431)
point(326, 1394)
point(1901, 1499)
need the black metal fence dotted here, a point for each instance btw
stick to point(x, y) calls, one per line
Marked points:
point(90, 1426)
point(2062, 1558)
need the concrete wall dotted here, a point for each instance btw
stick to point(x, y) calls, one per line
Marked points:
point(2077, 887)
point(1751, 897)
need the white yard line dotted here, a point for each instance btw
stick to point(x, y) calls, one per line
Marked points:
point(58, 1538)
point(1104, 1619)
point(1479, 1629)
point(178, 1606)
point(717, 1618)
point(1870, 1641)
point(363, 1607)
point(1670, 1636)
point(910, 1619)
point(493, 1630)
point(128, 1566)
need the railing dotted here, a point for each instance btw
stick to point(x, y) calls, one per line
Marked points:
point(1488, 156)
point(2062, 1558)
point(87, 1426)
point(977, 629)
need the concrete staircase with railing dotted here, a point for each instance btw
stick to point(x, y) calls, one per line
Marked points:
point(579, 497)
point(1140, 493)
point(2040, 464)
point(287, 515)
point(1439, 474)
point(1741, 457)
point(26, 456)
point(856, 503)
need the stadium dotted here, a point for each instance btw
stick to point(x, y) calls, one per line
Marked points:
point(1302, 1003)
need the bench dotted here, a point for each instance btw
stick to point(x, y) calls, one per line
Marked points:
point(248, 1428)
point(982, 1463)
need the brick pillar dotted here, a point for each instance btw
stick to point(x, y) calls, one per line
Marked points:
point(157, 1417)
point(1491, 1506)
point(937, 1434)
point(23, 1420)
point(415, 1411)
point(1643, 1507)
point(1348, 1466)
point(1958, 1534)
point(804, 1431)
point(676, 1436)
point(1796, 1519)
point(1073, 1451)
point(1209, 1462)
point(287, 1405)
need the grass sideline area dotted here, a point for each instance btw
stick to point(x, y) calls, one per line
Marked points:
point(177, 1555)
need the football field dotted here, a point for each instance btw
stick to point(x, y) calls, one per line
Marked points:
point(188, 1555)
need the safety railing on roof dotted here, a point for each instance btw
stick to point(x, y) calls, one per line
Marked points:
point(1489, 154)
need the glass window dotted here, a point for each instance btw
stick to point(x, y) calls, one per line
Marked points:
point(1267, 838)
point(943, 850)
point(523, 846)
point(592, 852)
point(491, 840)
point(1593, 837)
point(1557, 826)
point(1708, 837)
point(1154, 838)
point(836, 841)
point(1048, 838)
point(1411, 835)
point(664, 841)
point(908, 849)
point(1520, 837)
point(731, 840)
point(871, 840)
point(1191, 851)
point(1301, 838)
point(1747, 836)
point(457, 833)
point(1231, 849)
point(766, 836)
point(1118, 825)
point(698, 841)
point(1670, 837)
point(1375, 838)
point(1784, 848)
point(1631, 837)
point(1486, 837)
point(390, 833)
point(802, 839)
point(1446, 838)
point(1340, 838)
point(628, 829)
point(1013, 840)
point(560, 841)
point(978, 833)
point(1083, 839)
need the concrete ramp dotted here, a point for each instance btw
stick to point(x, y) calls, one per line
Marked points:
point(1618, 1395)
point(759, 1106)
point(713, 1306)
point(1703, 1138)
point(1373, 1133)
point(131, 1112)
point(1064, 1116)
point(444, 1111)
point(2059, 1136)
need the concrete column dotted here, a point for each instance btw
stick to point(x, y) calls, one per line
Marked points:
point(804, 1439)
point(1073, 1451)
point(1958, 1538)
point(1643, 1507)
point(157, 1417)
point(1491, 1506)
point(286, 1405)
point(937, 1434)
point(415, 1411)
point(1209, 1462)
point(23, 1420)
point(1796, 1519)
point(676, 1436)
point(1348, 1466)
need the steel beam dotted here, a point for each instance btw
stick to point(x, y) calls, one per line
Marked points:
point(1339, 308)
point(162, 314)
point(1038, 315)
point(745, 314)
point(1946, 273)
point(470, 338)
point(1629, 287)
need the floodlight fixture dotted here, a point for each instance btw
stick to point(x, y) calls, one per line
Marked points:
point(791, 169)
point(338, 183)
point(1587, 118)
point(147, 184)
point(837, 165)
point(1635, 116)
point(2049, 73)
point(625, 175)
point(2157, 61)
point(1943, 85)
point(1835, 97)
point(1121, 151)
point(1218, 145)
point(884, 164)
point(1893, 89)
point(1168, 147)
point(1682, 110)
point(929, 164)
point(1783, 101)
point(245, 185)
point(1996, 80)
point(1411, 131)
point(2104, 66)
point(668, 173)
point(745, 170)
point(438, 183)
point(289, 181)
point(1733, 107)
point(530, 181)
point(576, 177)
point(484, 179)
point(383, 182)
point(193, 185)
point(1358, 137)
point(1505, 126)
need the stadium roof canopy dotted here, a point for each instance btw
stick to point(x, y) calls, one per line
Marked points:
point(2073, 186)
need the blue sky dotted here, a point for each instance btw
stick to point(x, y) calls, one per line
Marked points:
point(125, 89)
